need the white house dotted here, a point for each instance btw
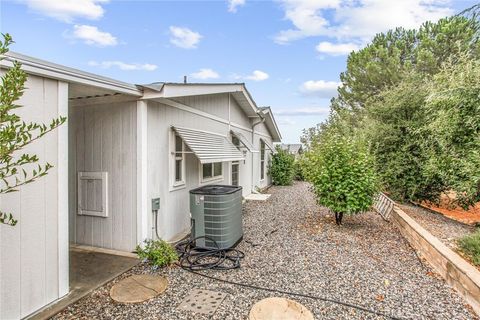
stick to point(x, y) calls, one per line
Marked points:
point(123, 146)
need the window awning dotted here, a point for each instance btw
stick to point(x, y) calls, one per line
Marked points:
point(209, 147)
point(243, 140)
point(269, 146)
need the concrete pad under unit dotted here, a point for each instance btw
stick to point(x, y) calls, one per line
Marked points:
point(257, 197)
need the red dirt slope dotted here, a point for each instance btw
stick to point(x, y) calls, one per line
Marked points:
point(470, 216)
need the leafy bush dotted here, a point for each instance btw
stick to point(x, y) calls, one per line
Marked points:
point(470, 245)
point(158, 252)
point(341, 171)
point(18, 168)
point(416, 98)
point(281, 168)
point(297, 170)
point(453, 128)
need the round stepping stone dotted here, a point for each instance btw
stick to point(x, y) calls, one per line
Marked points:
point(279, 309)
point(138, 288)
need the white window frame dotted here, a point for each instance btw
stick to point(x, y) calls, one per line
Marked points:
point(174, 184)
point(210, 179)
point(231, 171)
point(262, 162)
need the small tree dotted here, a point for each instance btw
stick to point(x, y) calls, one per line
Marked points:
point(341, 171)
point(281, 168)
point(16, 134)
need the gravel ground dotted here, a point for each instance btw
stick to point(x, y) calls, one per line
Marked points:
point(445, 229)
point(299, 248)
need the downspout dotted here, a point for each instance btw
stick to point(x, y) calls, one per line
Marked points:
point(262, 120)
point(229, 115)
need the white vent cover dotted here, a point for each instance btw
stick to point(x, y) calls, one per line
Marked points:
point(92, 194)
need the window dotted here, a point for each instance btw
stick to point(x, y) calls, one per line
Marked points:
point(178, 161)
point(262, 160)
point(235, 172)
point(211, 171)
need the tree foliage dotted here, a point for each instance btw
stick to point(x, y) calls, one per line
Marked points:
point(341, 172)
point(452, 128)
point(282, 168)
point(414, 96)
point(17, 168)
point(387, 59)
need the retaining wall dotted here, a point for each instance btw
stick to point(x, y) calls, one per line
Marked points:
point(457, 272)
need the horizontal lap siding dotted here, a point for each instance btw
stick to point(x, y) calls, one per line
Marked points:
point(104, 139)
point(29, 256)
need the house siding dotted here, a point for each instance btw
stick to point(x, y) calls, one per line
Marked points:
point(103, 138)
point(256, 157)
point(237, 116)
point(215, 104)
point(32, 273)
point(174, 214)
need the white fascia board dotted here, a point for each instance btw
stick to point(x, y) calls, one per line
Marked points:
point(277, 137)
point(181, 90)
point(176, 90)
point(249, 98)
point(55, 71)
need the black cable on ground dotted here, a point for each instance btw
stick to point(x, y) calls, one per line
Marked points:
point(196, 259)
point(193, 259)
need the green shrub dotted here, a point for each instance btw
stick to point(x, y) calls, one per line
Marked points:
point(281, 168)
point(158, 252)
point(297, 170)
point(470, 245)
point(18, 167)
point(341, 171)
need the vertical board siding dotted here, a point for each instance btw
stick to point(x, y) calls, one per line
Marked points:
point(105, 140)
point(51, 198)
point(63, 195)
point(237, 115)
point(215, 104)
point(174, 214)
point(29, 264)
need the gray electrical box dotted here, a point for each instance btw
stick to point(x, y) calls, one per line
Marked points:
point(217, 214)
point(155, 204)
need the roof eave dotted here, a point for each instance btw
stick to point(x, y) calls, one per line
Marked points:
point(176, 90)
point(55, 71)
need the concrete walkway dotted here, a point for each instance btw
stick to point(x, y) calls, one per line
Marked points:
point(89, 270)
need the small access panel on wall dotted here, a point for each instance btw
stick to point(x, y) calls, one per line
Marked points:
point(92, 194)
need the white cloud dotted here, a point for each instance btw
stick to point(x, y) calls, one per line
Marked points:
point(356, 20)
point(285, 121)
point(320, 88)
point(92, 36)
point(336, 49)
point(205, 74)
point(184, 37)
point(68, 10)
point(256, 75)
point(233, 4)
point(302, 112)
point(123, 66)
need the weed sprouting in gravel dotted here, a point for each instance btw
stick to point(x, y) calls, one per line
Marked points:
point(470, 245)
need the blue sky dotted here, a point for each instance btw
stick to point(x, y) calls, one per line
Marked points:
point(288, 52)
